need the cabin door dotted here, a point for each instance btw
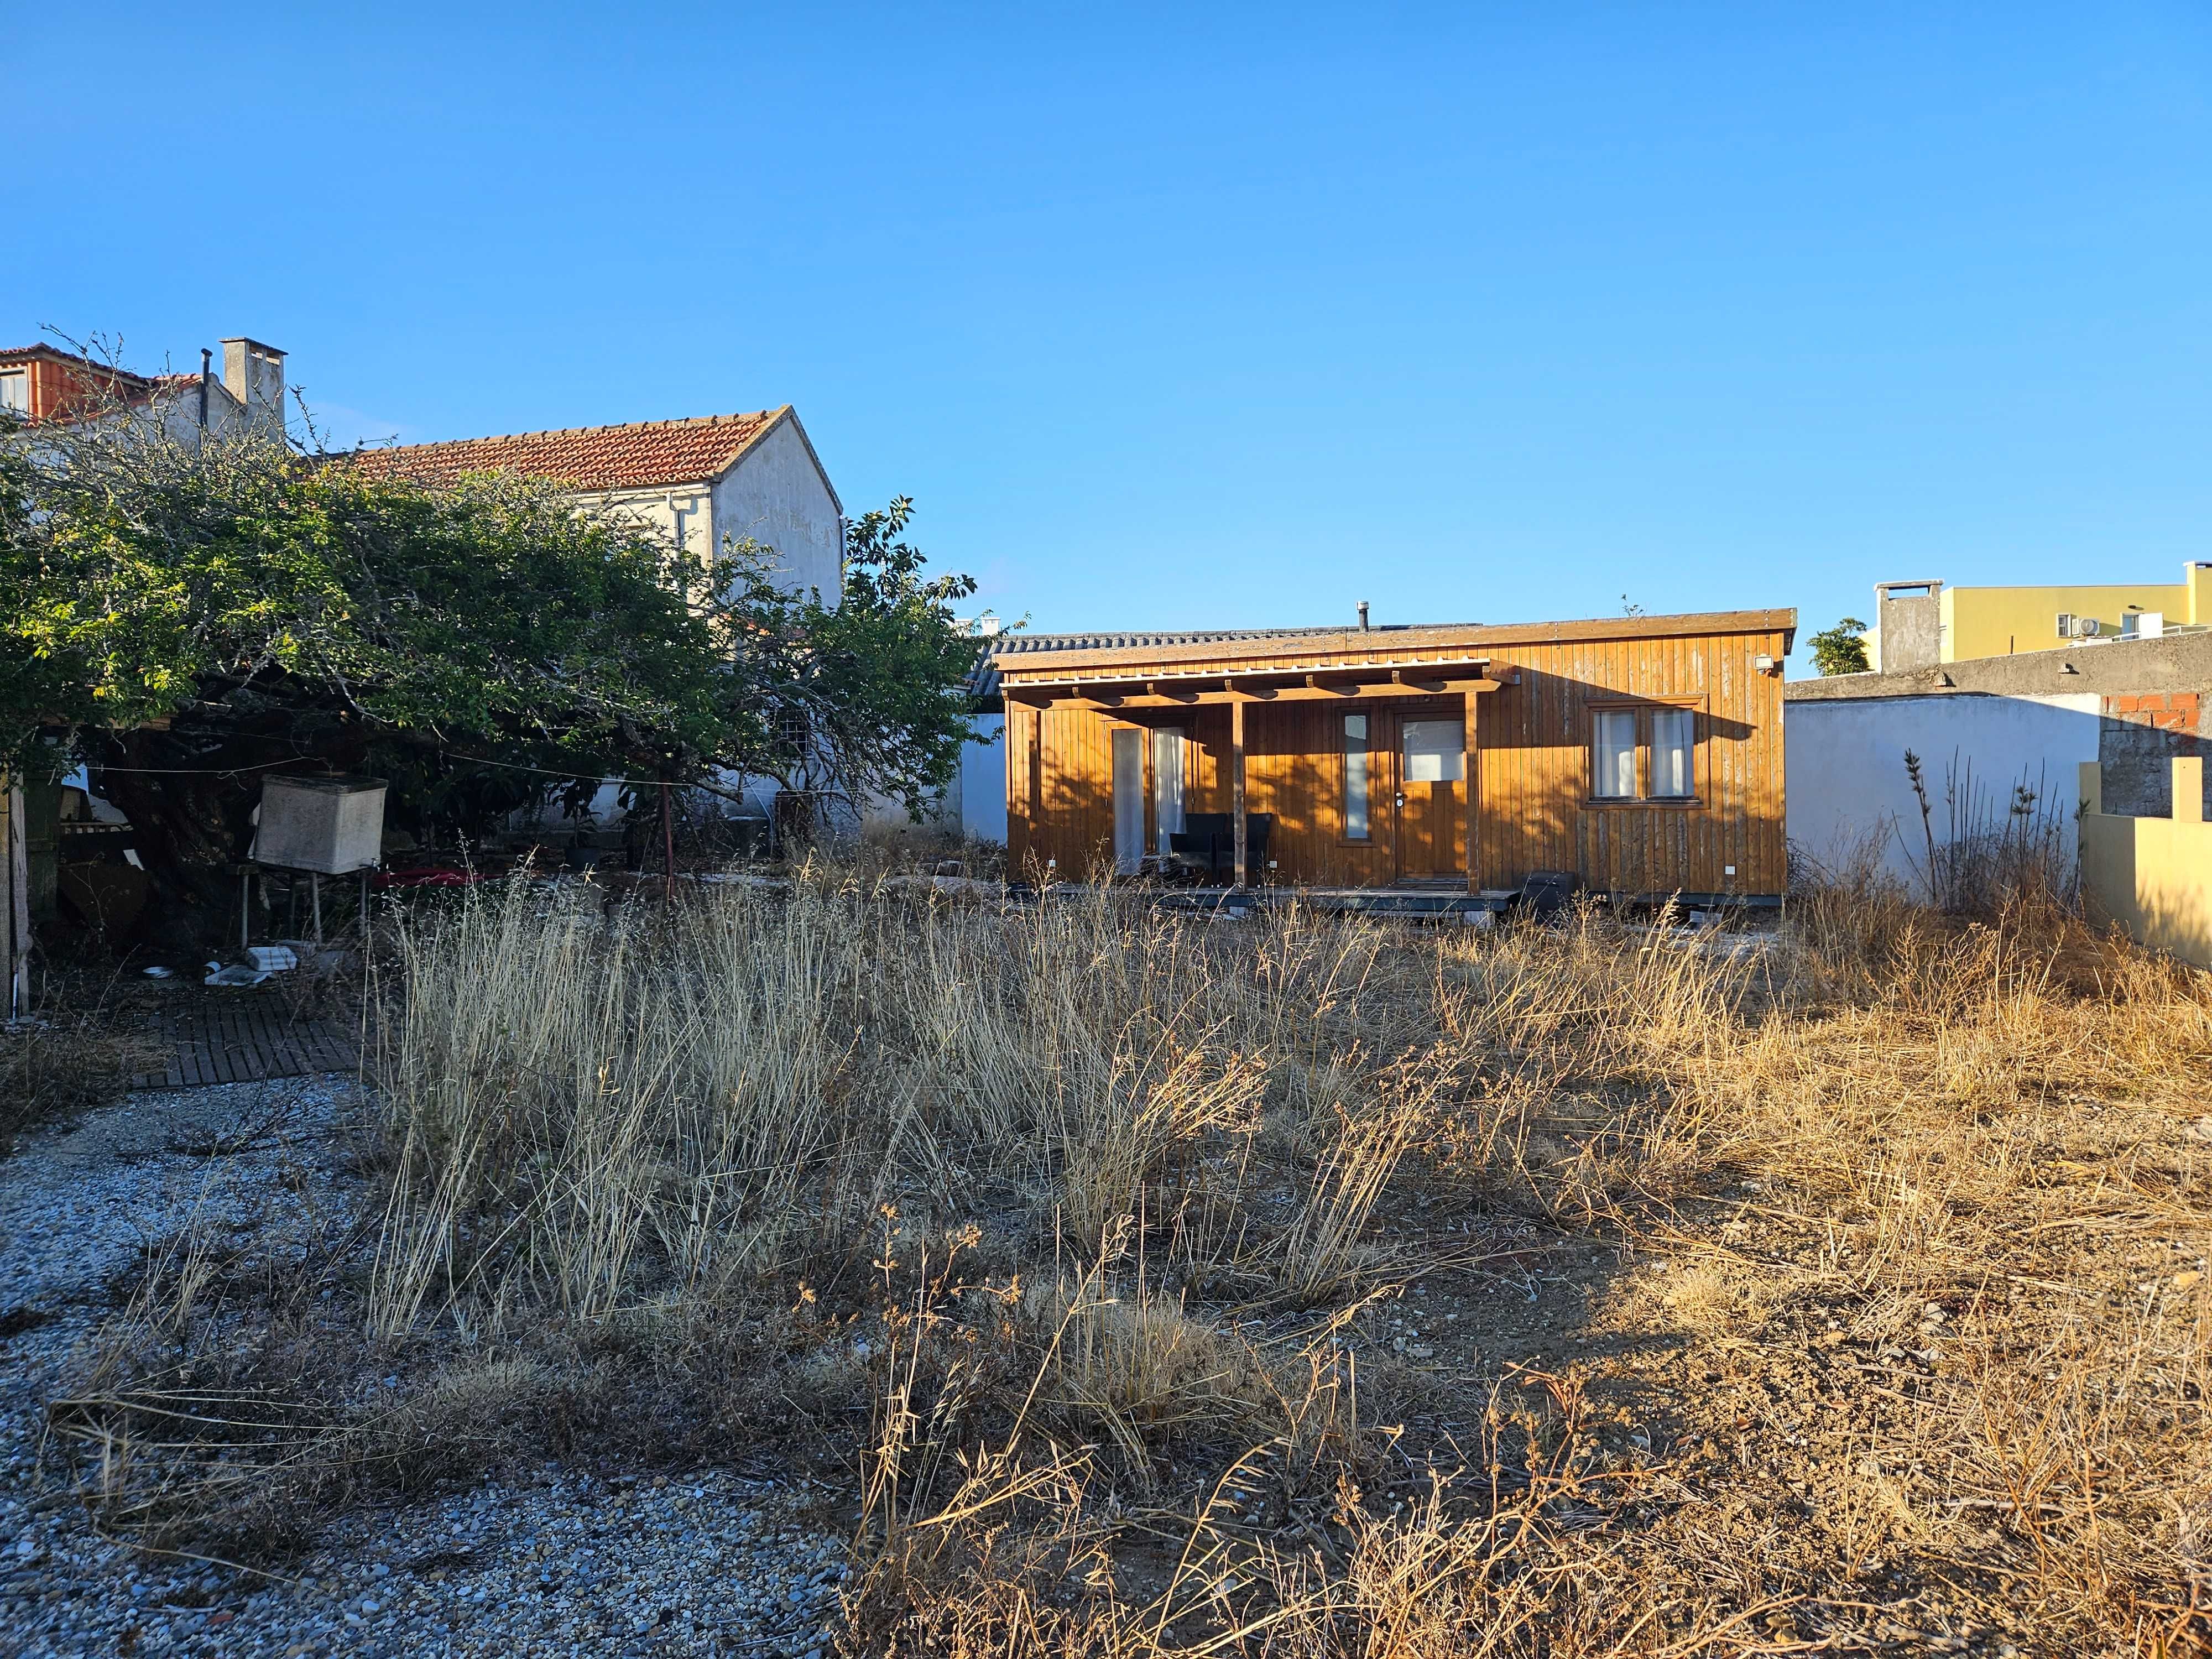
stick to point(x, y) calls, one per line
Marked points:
point(1430, 798)
point(1128, 799)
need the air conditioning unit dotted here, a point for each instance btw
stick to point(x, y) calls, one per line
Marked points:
point(2071, 627)
point(2065, 624)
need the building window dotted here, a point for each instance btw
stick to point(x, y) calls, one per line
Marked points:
point(1673, 752)
point(1436, 751)
point(15, 391)
point(1355, 777)
point(1614, 735)
point(1643, 754)
point(1167, 784)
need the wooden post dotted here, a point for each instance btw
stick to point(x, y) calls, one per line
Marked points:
point(1467, 783)
point(667, 848)
point(1237, 784)
point(15, 895)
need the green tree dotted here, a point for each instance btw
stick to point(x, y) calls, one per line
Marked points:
point(185, 617)
point(870, 691)
point(1841, 649)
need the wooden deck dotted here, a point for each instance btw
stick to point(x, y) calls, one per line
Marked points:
point(1433, 900)
point(247, 1042)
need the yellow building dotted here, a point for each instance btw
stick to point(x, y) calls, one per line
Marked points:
point(1920, 623)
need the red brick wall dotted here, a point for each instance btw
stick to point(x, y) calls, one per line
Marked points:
point(2166, 711)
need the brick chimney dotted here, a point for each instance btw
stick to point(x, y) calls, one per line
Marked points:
point(253, 373)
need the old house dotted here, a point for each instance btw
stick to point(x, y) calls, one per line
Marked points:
point(44, 383)
point(706, 483)
point(1641, 754)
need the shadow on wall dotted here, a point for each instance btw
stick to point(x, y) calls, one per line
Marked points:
point(2152, 875)
point(1849, 786)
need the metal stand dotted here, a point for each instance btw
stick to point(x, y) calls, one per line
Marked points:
point(246, 877)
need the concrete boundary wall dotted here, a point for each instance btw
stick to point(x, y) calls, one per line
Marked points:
point(2153, 876)
point(1849, 792)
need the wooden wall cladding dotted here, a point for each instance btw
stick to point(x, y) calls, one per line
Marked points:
point(1532, 773)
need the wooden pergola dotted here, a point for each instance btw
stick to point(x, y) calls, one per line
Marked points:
point(1344, 668)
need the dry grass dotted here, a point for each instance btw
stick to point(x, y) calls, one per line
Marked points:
point(1298, 1286)
point(66, 1064)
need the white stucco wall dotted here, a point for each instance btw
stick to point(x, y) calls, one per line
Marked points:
point(667, 510)
point(983, 783)
point(776, 496)
point(1845, 758)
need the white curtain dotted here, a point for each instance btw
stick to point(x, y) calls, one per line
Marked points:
point(1128, 799)
point(1673, 749)
point(1436, 751)
point(1167, 784)
point(1616, 753)
point(1355, 777)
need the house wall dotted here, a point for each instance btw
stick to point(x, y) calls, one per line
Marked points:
point(1532, 774)
point(1848, 784)
point(2152, 875)
point(665, 509)
point(776, 496)
point(1998, 622)
point(982, 788)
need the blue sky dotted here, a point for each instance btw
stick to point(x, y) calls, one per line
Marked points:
point(1215, 316)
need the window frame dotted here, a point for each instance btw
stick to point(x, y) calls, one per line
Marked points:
point(1644, 708)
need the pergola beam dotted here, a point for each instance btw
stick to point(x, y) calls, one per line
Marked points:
point(1237, 691)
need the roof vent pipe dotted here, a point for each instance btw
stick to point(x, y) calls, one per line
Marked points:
point(206, 372)
point(1363, 616)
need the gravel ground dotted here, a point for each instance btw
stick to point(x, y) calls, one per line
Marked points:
point(565, 1562)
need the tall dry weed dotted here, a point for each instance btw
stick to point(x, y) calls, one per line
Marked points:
point(1087, 1211)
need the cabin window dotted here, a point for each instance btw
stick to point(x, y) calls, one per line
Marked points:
point(1613, 735)
point(1167, 784)
point(1436, 751)
point(15, 392)
point(1355, 777)
point(1674, 749)
point(1128, 799)
point(1648, 753)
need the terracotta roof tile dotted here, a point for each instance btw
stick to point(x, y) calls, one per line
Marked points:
point(636, 456)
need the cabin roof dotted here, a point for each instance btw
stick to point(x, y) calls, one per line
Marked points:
point(1056, 658)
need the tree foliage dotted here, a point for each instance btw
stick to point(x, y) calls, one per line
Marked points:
point(1841, 649)
point(182, 615)
point(872, 689)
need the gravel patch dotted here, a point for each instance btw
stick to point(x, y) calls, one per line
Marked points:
point(564, 1562)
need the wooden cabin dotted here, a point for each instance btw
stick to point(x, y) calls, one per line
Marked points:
point(1643, 754)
